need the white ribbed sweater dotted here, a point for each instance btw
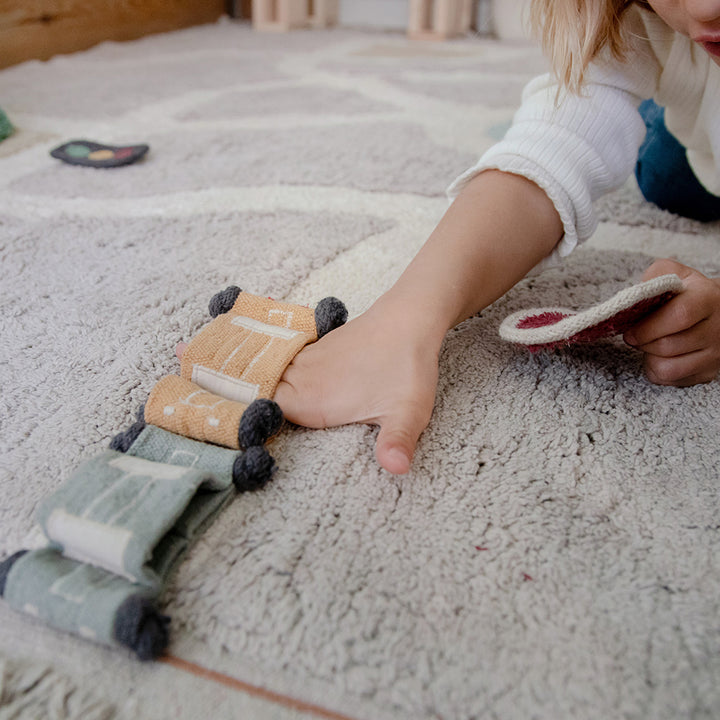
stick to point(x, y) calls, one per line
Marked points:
point(587, 145)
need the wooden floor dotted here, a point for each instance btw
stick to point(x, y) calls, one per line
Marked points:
point(39, 29)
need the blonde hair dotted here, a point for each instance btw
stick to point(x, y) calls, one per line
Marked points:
point(573, 32)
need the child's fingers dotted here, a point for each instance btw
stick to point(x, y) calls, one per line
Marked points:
point(397, 440)
point(180, 349)
point(690, 369)
point(395, 454)
point(666, 266)
point(295, 403)
point(682, 313)
point(670, 318)
point(695, 338)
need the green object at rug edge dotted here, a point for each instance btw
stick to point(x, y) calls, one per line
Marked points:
point(6, 128)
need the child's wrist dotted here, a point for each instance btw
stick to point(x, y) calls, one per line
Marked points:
point(415, 317)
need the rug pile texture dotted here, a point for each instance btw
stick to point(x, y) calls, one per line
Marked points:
point(554, 551)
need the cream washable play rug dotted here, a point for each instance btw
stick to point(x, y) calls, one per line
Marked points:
point(553, 552)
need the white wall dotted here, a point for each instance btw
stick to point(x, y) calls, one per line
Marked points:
point(393, 14)
point(386, 14)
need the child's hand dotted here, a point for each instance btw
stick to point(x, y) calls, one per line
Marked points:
point(681, 340)
point(377, 369)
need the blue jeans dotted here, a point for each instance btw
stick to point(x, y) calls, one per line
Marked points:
point(664, 174)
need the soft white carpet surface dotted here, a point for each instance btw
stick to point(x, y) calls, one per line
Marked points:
point(553, 552)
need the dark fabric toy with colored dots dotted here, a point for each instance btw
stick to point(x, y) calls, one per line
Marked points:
point(97, 155)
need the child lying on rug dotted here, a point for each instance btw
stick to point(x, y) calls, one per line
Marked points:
point(528, 202)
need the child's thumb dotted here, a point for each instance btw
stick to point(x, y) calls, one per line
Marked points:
point(396, 443)
point(666, 266)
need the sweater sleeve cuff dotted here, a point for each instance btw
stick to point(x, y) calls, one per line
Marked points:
point(517, 165)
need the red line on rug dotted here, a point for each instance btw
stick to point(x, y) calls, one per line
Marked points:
point(255, 690)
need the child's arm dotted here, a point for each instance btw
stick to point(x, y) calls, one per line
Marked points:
point(681, 341)
point(382, 367)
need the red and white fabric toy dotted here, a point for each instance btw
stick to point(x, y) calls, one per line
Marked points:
point(551, 327)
